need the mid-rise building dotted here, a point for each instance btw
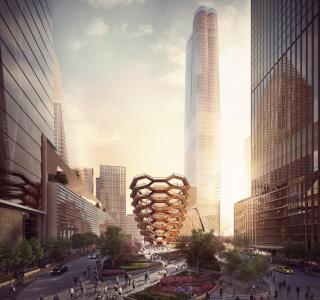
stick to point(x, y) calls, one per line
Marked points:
point(86, 175)
point(26, 113)
point(71, 207)
point(202, 117)
point(285, 123)
point(111, 191)
point(131, 228)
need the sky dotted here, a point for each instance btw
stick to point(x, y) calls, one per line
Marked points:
point(122, 65)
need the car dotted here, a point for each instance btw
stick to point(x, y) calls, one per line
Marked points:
point(93, 256)
point(283, 269)
point(60, 269)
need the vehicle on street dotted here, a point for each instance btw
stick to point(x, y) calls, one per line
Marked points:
point(60, 269)
point(282, 269)
point(93, 256)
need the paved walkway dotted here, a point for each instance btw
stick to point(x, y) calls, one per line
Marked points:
point(48, 285)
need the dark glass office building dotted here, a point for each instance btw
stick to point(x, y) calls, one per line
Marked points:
point(26, 112)
point(285, 123)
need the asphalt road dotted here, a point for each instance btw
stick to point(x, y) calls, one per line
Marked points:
point(47, 285)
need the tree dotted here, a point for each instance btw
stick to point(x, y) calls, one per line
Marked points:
point(233, 261)
point(115, 243)
point(49, 246)
point(200, 248)
point(259, 265)
point(26, 255)
point(37, 249)
point(78, 241)
point(9, 257)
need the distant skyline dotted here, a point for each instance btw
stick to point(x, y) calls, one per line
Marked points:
point(123, 71)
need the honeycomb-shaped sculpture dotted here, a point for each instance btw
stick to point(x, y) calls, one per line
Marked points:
point(160, 206)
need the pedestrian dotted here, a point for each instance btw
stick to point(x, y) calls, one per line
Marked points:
point(12, 288)
point(251, 296)
point(288, 290)
point(56, 297)
point(207, 296)
point(75, 279)
point(88, 270)
point(275, 294)
point(133, 284)
point(129, 279)
point(120, 292)
point(105, 290)
point(72, 293)
point(221, 291)
point(145, 276)
point(298, 291)
point(126, 278)
point(82, 289)
point(84, 274)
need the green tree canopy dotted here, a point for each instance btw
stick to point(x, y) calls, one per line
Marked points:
point(116, 244)
point(200, 248)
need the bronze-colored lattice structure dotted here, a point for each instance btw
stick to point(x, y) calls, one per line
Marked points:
point(160, 206)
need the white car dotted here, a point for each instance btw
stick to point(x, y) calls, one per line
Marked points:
point(93, 256)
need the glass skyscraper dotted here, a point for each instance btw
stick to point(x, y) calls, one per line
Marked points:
point(284, 124)
point(26, 112)
point(202, 117)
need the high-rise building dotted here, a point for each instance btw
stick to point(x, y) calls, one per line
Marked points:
point(284, 123)
point(86, 176)
point(202, 117)
point(111, 191)
point(26, 113)
point(59, 133)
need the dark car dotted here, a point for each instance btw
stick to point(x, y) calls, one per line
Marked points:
point(60, 269)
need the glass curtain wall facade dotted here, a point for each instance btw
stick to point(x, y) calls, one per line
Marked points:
point(26, 102)
point(202, 117)
point(111, 191)
point(285, 121)
point(59, 133)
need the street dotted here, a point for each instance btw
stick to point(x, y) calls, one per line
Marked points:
point(47, 285)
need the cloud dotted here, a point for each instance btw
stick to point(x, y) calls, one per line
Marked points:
point(145, 29)
point(97, 27)
point(75, 45)
point(175, 78)
point(173, 46)
point(108, 52)
point(111, 3)
point(123, 28)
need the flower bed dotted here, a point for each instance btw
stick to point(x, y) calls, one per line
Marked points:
point(181, 286)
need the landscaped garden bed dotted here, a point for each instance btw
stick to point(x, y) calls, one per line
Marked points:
point(180, 286)
point(139, 263)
